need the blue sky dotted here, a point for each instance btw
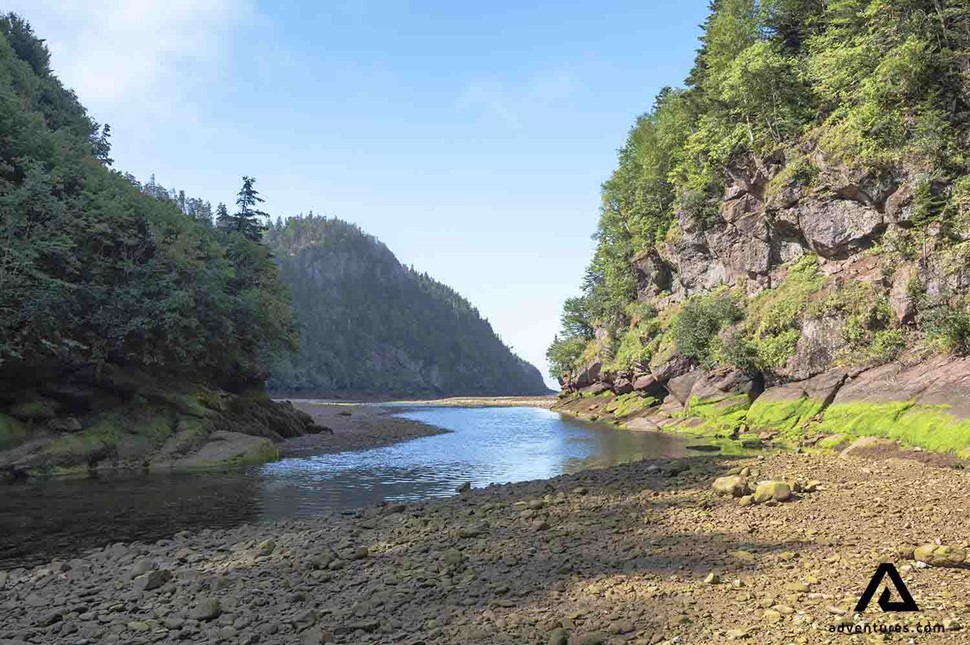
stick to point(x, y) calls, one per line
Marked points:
point(471, 138)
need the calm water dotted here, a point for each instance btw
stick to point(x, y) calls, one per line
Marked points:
point(42, 519)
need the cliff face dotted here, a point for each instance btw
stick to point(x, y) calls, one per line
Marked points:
point(372, 327)
point(785, 246)
point(835, 320)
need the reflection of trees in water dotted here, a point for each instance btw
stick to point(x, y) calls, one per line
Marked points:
point(619, 446)
point(40, 520)
point(305, 492)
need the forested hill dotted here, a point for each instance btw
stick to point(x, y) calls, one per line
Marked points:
point(131, 327)
point(370, 326)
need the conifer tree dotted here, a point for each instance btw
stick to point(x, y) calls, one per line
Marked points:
point(248, 220)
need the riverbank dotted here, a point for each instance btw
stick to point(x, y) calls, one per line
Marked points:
point(352, 426)
point(644, 553)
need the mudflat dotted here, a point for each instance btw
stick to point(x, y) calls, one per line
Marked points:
point(351, 426)
point(643, 553)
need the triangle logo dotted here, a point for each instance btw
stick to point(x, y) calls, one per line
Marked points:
point(905, 604)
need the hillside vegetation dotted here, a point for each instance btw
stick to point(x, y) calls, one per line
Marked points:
point(801, 205)
point(128, 322)
point(370, 326)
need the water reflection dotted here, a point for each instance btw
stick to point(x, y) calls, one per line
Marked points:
point(43, 519)
point(486, 445)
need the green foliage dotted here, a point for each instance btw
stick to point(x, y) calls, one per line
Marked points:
point(370, 325)
point(96, 269)
point(563, 355)
point(948, 325)
point(869, 330)
point(576, 320)
point(248, 219)
point(632, 350)
point(873, 84)
point(774, 316)
point(696, 327)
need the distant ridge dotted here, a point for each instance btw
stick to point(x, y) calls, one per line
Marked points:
point(373, 327)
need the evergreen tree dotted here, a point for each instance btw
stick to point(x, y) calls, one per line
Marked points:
point(248, 220)
point(223, 219)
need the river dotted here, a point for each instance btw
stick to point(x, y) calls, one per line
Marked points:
point(41, 519)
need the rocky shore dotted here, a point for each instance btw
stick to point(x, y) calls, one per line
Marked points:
point(643, 553)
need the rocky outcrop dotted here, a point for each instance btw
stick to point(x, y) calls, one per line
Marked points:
point(836, 229)
point(117, 419)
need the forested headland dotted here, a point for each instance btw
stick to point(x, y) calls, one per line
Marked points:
point(370, 326)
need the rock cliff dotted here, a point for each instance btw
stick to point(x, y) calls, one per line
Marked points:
point(836, 331)
point(785, 242)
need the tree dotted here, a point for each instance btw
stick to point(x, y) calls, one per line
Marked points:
point(223, 219)
point(248, 219)
point(101, 142)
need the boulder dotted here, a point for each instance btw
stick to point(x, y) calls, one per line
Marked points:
point(680, 387)
point(696, 268)
point(777, 491)
point(815, 351)
point(676, 365)
point(206, 608)
point(740, 241)
point(595, 388)
point(942, 381)
point(64, 424)
point(900, 297)
point(227, 449)
point(587, 375)
point(733, 485)
point(785, 407)
point(899, 206)
point(869, 447)
point(717, 385)
point(649, 384)
point(838, 228)
point(940, 555)
point(622, 386)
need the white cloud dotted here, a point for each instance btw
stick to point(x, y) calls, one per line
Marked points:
point(113, 52)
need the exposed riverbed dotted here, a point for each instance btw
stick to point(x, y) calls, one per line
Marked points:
point(434, 450)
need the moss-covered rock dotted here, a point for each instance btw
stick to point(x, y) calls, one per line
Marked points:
point(926, 426)
point(12, 432)
point(34, 408)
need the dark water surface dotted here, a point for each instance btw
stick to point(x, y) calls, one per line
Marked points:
point(43, 519)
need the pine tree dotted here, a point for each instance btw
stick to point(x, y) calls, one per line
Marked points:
point(223, 219)
point(248, 220)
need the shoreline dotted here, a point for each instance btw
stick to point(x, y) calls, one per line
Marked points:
point(643, 552)
point(352, 426)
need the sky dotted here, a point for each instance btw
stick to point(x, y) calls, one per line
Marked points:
point(470, 137)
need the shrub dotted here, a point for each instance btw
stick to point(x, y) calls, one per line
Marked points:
point(563, 354)
point(697, 326)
